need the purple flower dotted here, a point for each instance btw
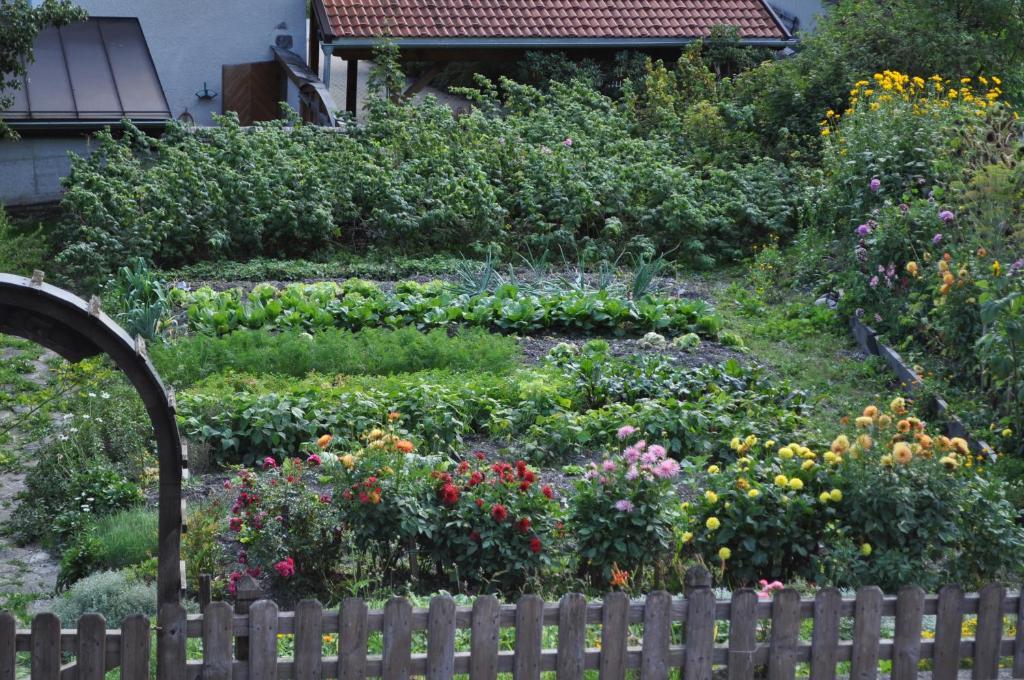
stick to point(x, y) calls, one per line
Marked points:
point(632, 473)
point(625, 431)
point(876, 184)
point(544, 149)
point(608, 465)
point(657, 450)
point(878, 318)
point(937, 238)
point(631, 454)
point(947, 216)
point(567, 141)
point(624, 505)
point(904, 208)
point(873, 282)
point(863, 230)
point(666, 468)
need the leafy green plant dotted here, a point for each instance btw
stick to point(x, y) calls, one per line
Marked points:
point(139, 301)
point(366, 352)
point(507, 309)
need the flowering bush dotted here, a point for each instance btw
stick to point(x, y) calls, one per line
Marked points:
point(887, 503)
point(379, 491)
point(289, 532)
point(491, 524)
point(770, 509)
point(624, 509)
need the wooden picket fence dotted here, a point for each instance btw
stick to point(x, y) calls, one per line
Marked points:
point(669, 635)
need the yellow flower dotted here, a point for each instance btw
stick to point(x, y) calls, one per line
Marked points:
point(865, 549)
point(949, 462)
point(864, 421)
point(912, 269)
point(807, 465)
point(960, 444)
point(785, 453)
point(770, 444)
point(781, 480)
point(824, 497)
point(687, 536)
point(836, 495)
point(724, 554)
point(870, 411)
point(796, 484)
point(735, 444)
point(884, 420)
point(711, 497)
point(753, 493)
point(348, 460)
point(713, 470)
point(901, 453)
point(898, 406)
point(712, 523)
point(1007, 432)
point(996, 268)
point(865, 442)
point(840, 444)
point(885, 460)
point(750, 440)
point(831, 457)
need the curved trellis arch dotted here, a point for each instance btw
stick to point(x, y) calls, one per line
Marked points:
point(75, 329)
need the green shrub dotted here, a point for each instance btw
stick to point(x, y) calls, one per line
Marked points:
point(111, 593)
point(21, 251)
point(331, 351)
point(116, 541)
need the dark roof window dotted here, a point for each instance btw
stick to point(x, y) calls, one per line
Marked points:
point(94, 70)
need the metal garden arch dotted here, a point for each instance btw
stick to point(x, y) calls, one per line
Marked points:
point(76, 329)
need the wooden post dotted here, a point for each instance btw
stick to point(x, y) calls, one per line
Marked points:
point(397, 634)
point(785, 635)
point(825, 638)
point(171, 639)
point(46, 647)
point(906, 646)
point(529, 632)
point(352, 635)
point(309, 620)
point(614, 636)
point(351, 85)
point(205, 591)
point(135, 645)
point(867, 630)
point(92, 647)
point(218, 631)
point(742, 634)
point(441, 638)
point(948, 630)
point(572, 636)
point(657, 636)
point(989, 632)
point(485, 636)
point(8, 633)
point(263, 640)
point(700, 624)
point(247, 591)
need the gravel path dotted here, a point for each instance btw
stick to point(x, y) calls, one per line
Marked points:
point(23, 569)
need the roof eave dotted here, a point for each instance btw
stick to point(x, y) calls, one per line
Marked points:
point(544, 43)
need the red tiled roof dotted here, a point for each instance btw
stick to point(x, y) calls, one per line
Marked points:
point(546, 18)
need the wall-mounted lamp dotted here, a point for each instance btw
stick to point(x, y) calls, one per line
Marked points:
point(206, 93)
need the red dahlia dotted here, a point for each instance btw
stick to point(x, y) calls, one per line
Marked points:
point(499, 512)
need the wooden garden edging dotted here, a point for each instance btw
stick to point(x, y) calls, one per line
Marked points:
point(669, 634)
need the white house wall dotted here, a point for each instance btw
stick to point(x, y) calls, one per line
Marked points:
point(191, 40)
point(31, 168)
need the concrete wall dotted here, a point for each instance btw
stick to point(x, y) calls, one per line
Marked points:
point(31, 168)
point(192, 39)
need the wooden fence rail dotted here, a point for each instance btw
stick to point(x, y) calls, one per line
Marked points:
point(652, 638)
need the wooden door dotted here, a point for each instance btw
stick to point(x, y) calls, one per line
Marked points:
point(253, 91)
